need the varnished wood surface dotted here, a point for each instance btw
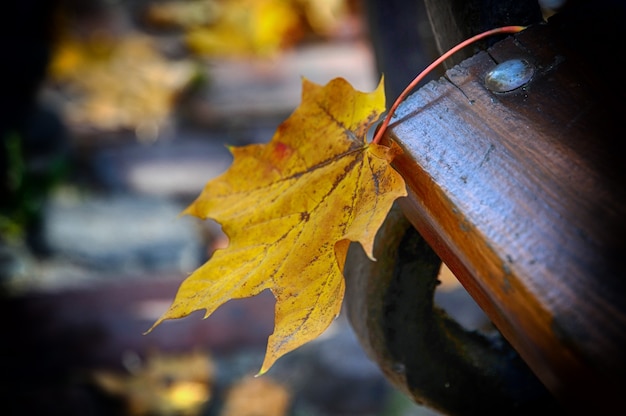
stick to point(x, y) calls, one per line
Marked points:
point(522, 195)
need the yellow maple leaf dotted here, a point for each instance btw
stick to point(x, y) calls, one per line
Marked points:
point(290, 209)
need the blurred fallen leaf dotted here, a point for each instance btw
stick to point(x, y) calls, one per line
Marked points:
point(256, 397)
point(114, 84)
point(166, 385)
point(247, 27)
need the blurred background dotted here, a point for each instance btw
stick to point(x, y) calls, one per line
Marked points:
point(113, 115)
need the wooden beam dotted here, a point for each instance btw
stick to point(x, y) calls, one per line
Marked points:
point(522, 195)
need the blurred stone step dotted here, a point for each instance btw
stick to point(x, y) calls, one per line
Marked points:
point(176, 167)
point(264, 88)
point(122, 233)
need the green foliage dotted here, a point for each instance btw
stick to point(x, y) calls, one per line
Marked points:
point(27, 186)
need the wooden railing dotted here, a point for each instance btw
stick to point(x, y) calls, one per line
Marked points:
point(520, 191)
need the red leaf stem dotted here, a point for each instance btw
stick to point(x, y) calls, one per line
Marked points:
point(438, 61)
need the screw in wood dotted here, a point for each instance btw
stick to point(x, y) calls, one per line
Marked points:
point(509, 75)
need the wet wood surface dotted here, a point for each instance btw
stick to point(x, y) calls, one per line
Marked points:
point(522, 195)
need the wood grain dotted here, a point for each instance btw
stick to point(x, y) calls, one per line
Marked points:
point(522, 195)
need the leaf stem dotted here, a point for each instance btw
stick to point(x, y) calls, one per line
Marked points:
point(500, 30)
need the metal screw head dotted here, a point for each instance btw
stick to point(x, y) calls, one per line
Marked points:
point(509, 75)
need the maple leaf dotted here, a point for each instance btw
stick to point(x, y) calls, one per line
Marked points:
point(290, 209)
